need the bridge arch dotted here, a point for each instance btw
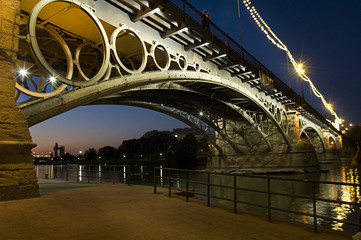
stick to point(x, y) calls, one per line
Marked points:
point(205, 83)
point(314, 135)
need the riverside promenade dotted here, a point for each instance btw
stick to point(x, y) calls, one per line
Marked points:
point(79, 211)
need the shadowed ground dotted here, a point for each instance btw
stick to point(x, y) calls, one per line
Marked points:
point(105, 211)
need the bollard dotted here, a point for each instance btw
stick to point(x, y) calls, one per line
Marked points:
point(155, 180)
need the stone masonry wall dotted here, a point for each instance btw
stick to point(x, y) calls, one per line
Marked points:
point(17, 174)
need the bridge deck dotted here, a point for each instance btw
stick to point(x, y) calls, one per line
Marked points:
point(121, 212)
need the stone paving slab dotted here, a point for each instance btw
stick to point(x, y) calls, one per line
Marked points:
point(106, 211)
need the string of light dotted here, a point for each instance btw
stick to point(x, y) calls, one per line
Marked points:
point(297, 66)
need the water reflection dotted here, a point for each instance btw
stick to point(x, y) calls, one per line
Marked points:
point(80, 174)
point(161, 174)
point(345, 193)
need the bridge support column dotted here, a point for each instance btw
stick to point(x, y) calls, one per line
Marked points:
point(331, 148)
point(301, 153)
point(17, 174)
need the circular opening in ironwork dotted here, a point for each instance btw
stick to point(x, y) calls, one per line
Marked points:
point(182, 62)
point(52, 52)
point(73, 26)
point(161, 57)
point(88, 57)
point(129, 50)
point(31, 79)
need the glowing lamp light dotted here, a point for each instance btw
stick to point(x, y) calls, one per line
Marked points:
point(52, 79)
point(23, 72)
point(300, 69)
point(201, 113)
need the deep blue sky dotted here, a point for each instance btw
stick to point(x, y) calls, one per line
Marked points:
point(324, 34)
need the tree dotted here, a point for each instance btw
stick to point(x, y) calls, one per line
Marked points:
point(131, 148)
point(351, 138)
point(186, 152)
point(68, 157)
point(160, 143)
point(108, 153)
point(90, 155)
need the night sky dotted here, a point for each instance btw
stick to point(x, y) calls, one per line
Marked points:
point(325, 35)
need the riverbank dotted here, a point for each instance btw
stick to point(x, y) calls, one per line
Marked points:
point(91, 211)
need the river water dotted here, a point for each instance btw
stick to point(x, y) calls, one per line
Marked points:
point(337, 172)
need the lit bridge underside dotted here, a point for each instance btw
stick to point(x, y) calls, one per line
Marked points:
point(152, 55)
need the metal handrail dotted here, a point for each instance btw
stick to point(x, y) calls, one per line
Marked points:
point(233, 46)
point(268, 191)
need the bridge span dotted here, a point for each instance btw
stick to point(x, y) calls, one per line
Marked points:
point(159, 55)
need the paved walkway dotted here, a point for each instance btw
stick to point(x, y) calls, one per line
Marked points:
point(106, 211)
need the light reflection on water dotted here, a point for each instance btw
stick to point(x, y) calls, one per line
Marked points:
point(340, 172)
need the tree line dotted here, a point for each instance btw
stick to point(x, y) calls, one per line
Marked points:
point(350, 140)
point(154, 146)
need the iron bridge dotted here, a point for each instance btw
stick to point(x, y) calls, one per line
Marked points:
point(156, 54)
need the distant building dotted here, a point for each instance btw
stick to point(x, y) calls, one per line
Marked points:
point(60, 150)
point(150, 133)
point(42, 155)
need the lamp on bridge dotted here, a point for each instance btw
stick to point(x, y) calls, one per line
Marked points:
point(300, 69)
point(23, 72)
point(52, 79)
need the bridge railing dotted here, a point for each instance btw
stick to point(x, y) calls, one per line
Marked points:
point(240, 54)
point(216, 31)
point(209, 188)
point(233, 45)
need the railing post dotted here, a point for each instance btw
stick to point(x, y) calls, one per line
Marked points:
point(77, 174)
point(113, 174)
point(314, 206)
point(155, 180)
point(208, 189)
point(128, 175)
point(187, 186)
point(169, 183)
point(100, 175)
point(235, 193)
point(269, 198)
point(89, 172)
point(67, 173)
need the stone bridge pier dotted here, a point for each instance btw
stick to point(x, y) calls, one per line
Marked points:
point(17, 174)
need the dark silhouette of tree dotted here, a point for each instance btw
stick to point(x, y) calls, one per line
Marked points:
point(186, 152)
point(160, 143)
point(155, 146)
point(351, 138)
point(130, 148)
point(68, 157)
point(203, 145)
point(108, 153)
point(90, 155)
